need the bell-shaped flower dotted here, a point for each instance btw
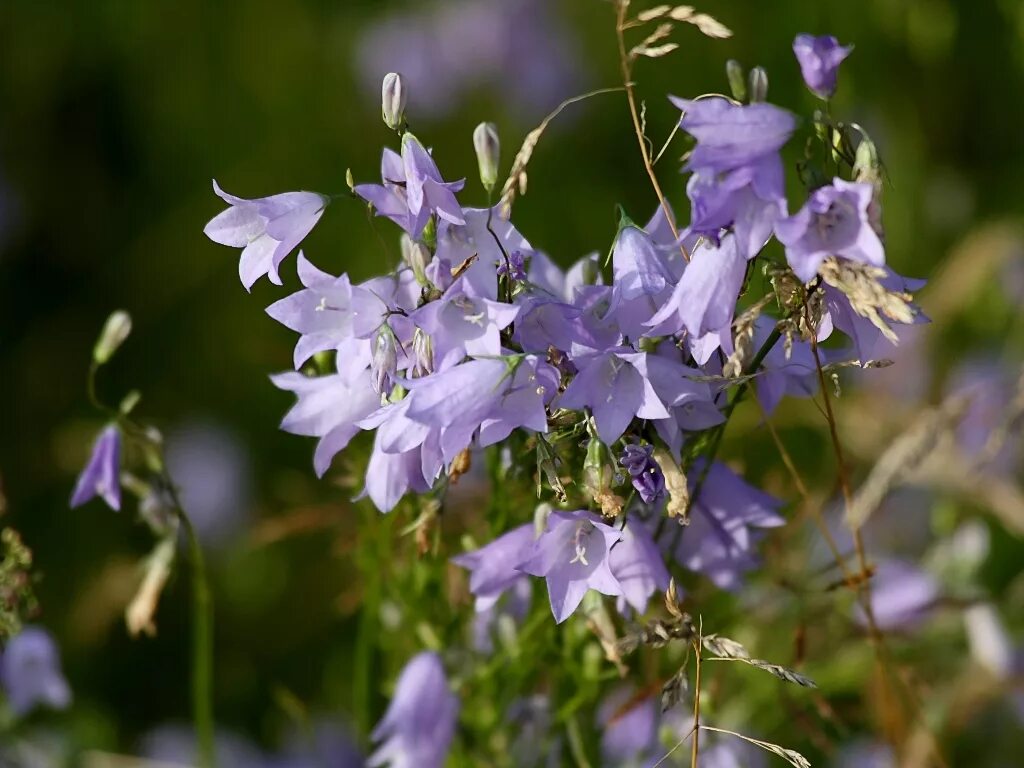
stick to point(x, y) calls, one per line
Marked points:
point(731, 136)
point(102, 475)
point(330, 407)
point(390, 475)
point(573, 555)
point(628, 722)
point(479, 246)
point(726, 519)
point(425, 191)
point(637, 565)
point(819, 58)
point(30, 672)
point(705, 297)
point(615, 387)
point(267, 229)
point(642, 280)
point(494, 567)
point(417, 728)
point(833, 222)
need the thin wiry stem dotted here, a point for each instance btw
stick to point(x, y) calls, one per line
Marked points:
point(627, 81)
point(695, 745)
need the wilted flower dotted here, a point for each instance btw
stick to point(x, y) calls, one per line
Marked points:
point(819, 59)
point(102, 475)
point(418, 726)
point(30, 672)
point(833, 222)
point(267, 229)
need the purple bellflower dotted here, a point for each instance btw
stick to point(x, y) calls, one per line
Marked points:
point(573, 555)
point(731, 136)
point(637, 565)
point(102, 475)
point(725, 524)
point(417, 729)
point(833, 222)
point(267, 229)
point(644, 472)
point(819, 58)
point(494, 568)
point(30, 673)
point(901, 596)
point(629, 727)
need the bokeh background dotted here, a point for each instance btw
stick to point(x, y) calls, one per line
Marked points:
point(114, 117)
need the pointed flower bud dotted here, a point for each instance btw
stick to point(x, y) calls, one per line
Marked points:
point(417, 256)
point(422, 354)
point(488, 151)
point(758, 85)
point(737, 83)
point(393, 98)
point(115, 331)
point(384, 362)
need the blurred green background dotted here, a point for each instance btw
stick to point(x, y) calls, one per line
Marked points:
point(115, 115)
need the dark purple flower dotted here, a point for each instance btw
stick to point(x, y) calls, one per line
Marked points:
point(731, 136)
point(833, 222)
point(819, 59)
point(266, 228)
point(417, 729)
point(102, 475)
point(515, 267)
point(494, 567)
point(644, 472)
point(573, 556)
point(30, 672)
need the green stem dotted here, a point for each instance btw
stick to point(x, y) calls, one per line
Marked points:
point(202, 647)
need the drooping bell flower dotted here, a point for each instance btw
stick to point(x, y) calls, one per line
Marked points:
point(102, 475)
point(819, 58)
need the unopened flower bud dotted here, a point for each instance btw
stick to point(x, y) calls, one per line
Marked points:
point(422, 354)
point(384, 362)
point(865, 165)
point(488, 150)
point(737, 82)
point(115, 331)
point(758, 85)
point(393, 98)
point(417, 256)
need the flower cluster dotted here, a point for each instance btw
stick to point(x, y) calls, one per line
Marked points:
point(480, 338)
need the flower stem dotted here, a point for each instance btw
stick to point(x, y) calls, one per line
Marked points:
point(202, 646)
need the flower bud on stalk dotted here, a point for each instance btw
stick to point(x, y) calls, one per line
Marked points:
point(758, 85)
point(488, 151)
point(737, 83)
point(417, 256)
point(384, 363)
point(393, 98)
point(115, 331)
point(422, 354)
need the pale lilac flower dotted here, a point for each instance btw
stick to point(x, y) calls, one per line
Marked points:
point(644, 472)
point(866, 754)
point(389, 476)
point(638, 268)
point(833, 222)
point(726, 521)
point(637, 565)
point(704, 299)
point(425, 191)
point(417, 729)
point(901, 595)
point(629, 727)
point(573, 556)
point(614, 386)
point(730, 136)
point(176, 745)
point(329, 407)
point(30, 673)
point(989, 383)
point(102, 475)
point(266, 228)
point(384, 361)
point(474, 243)
point(494, 567)
point(819, 59)
point(795, 375)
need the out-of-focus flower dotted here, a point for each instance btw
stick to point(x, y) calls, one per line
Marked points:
point(494, 567)
point(102, 475)
point(519, 50)
point(731, 136)
point(176, 745)
point(866, 754)
point(629, 728)
point(573, 556)
point(819, 58)
point(833, 222)
point(211, 468)
point(417, 729)
point(990, 386)
point(30, 672)
point(901, 595)
point(267, 229)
